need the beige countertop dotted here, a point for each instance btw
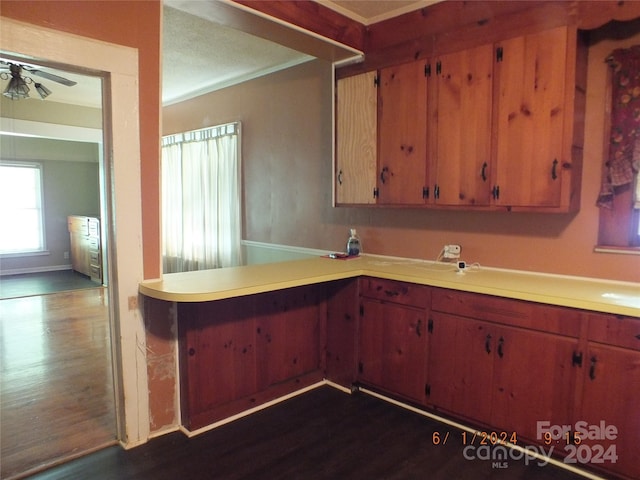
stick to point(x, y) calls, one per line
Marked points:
point(621, 298)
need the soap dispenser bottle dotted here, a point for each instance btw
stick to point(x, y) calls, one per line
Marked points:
point(354, 247)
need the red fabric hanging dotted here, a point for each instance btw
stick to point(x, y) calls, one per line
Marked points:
point(623, 161)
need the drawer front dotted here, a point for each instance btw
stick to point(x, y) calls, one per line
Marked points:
point(94, 227)
point(94, 258)
point(79, 225)
point(619, 331)
point(518, 313)
point(395, 292)
point(94, 244)
point(96, 272)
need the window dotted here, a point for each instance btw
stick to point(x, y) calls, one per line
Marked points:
point(21, 213)
point(201, 223)
point(620, 193)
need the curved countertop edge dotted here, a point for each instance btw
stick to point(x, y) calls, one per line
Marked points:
point(600, 295)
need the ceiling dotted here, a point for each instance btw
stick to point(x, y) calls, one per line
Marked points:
point(200, 55)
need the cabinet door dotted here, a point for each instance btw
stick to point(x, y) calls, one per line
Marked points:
point(288, 334)
point(531, 77)
point(534, 380)
point(341, 338)
point(216, 335)
point(461, 366)
point(463, 151)
point(393, 348)
point(610, 394)
point(402, 134)
point(356, 139)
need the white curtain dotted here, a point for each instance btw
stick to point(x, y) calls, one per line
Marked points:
point(201, 199)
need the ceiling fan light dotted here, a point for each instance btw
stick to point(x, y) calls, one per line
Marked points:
point(17, 89)
point(43, 91)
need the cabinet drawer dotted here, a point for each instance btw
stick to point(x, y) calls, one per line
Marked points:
point(94, 244)
point(518, 313)
point(395, 292)
point(615, 330)
point(94, 227)
point(95, 272)
point(79, 225)
point(94, 258)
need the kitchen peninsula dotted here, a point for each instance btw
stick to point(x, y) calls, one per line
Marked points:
point(494, 348)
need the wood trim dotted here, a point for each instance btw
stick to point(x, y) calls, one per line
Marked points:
point(443, 27)
point(314, 17)
point(445, 17)
point(595, 13)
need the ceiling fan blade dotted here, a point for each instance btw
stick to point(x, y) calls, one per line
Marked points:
point(53, 77)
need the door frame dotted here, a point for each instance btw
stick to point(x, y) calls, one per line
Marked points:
point(119, 67)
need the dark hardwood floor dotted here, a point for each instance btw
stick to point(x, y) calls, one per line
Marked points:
point(42, 283)
point(322, 434)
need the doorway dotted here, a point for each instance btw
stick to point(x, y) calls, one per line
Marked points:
point(119, 66)
point(57, 396)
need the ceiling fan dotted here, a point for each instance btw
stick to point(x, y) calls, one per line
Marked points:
point(18, 86)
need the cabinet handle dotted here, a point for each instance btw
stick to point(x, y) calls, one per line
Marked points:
point(554, 166)
point(192, 352)
point(487, 343)
point(391, 293)
point(576, 360)
point(501, 347)
point(382, 177)
point(340, 177)
point(483, 174)
point(436, 191)
point(592, 368)
point(419, 328)
point(496, 192)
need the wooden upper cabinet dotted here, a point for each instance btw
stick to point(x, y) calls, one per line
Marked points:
point(462, 160)
point(497, 126)
point(534, 85)
point(356, 139)
point(402, 134)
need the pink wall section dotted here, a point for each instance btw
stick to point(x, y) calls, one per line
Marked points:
point(287, 170)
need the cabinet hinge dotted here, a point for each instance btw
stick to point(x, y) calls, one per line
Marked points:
point(376, 193)
point(360, 367)
point(438, 67)
point(430, 325)
point(499, 54)
point(376, 80)
point(425, 192)
point(576, 359)
point(427, 389)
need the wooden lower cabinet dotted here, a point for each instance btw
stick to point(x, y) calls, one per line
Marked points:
point(534, 380)
point(341, 333)
point(503, 365)
point(460, 366)
point(609, 399)
point(393, 336)
point(505, 377)
point(393, 348)
point(238, 353)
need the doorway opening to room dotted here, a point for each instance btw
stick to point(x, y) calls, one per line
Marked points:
point(57, 384)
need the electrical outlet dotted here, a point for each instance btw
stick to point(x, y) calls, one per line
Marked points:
point(66, 255)
point(452, 251)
